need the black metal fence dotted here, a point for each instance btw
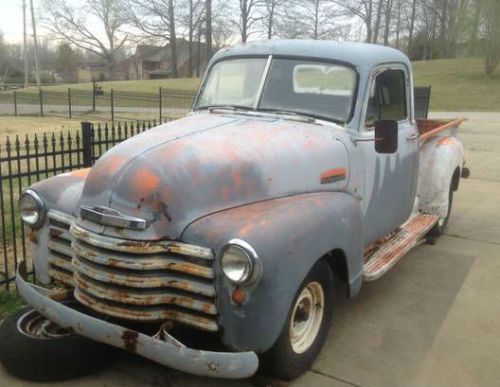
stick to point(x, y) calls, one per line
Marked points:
point(97, 104)
point(24, 161)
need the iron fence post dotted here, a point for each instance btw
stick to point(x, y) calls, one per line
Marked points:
point(41, 101)
point(87, 144)
point(15, 103)
point(160, 103)
point(69, 102)
point(93, 96)
point(112, 106)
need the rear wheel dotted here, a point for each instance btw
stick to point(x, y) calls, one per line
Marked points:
point(440, 227)
point(34, 348)
point(306, 328)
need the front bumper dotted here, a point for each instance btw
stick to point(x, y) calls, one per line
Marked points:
point(168, 352)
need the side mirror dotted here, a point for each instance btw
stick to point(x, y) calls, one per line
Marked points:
point(386, 136)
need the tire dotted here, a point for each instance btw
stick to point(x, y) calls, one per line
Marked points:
point(32, 348)
point(291, 356)
point(440, 227)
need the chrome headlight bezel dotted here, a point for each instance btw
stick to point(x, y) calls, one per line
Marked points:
point(248, 256)
point(39, 208)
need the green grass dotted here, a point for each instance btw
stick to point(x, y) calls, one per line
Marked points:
point(10, 302)
point(459, 84)
point(147, 86)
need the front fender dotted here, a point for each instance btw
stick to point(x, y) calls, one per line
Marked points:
point(439, 159)
point(289, 235)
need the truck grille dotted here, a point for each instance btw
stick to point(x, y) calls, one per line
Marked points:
point(59, 245)
point(134, 280)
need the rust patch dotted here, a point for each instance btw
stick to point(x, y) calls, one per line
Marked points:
point(443, 141)
point(130, 340)
point(81, 172)
point(55, 232)
point(33, 237)
point(333, 175)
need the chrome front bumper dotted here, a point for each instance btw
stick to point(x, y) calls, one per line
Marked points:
point(168, 352)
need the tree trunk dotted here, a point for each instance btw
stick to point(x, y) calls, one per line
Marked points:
point(208, 29)
point(388, 10)
point(173, 38)
point(198, 51)
point(368, 21)
point(190, 44)
point(412, 24)
point(316, 19)
point(270, 21)
point(244, 20)
point(377, 21)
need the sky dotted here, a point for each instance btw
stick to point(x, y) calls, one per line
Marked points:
point(11, 19)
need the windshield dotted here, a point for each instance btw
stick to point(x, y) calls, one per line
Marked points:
point(317, 89)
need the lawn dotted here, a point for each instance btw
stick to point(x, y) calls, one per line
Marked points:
point(459, 84)
point(9, 303)
point(147, 86)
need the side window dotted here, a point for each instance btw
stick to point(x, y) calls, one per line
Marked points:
point(387, 100)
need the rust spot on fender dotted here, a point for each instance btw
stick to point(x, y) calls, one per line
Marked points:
point(333, 175)
point(130, 340)
point(443, 141)
point(33, 237)
point(81, 172)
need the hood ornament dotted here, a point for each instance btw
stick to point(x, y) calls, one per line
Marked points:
point(110, 217)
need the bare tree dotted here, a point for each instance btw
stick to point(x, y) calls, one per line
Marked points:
point(271, 11)
point(362, 9)
point(248, 16)
point(208, 27)
point(154, 20)
point(71, 24)
point(313, 19)
point(491, 12)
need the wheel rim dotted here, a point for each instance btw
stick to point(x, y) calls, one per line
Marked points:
point(307, 317)
point(33, 324)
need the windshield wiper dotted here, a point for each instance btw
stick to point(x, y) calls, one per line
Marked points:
point(233, 108)
point(295, 115)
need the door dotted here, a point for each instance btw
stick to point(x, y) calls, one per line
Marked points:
point(390, 179)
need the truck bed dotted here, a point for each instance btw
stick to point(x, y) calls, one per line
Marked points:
point(430, 128)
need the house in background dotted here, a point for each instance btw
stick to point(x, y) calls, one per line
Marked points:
point(155, 62)
point(90, 72)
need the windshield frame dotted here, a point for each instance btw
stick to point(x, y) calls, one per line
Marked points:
point(269, 59)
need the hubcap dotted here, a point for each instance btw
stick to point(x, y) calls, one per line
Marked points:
point(307, 317)
point(34, 324)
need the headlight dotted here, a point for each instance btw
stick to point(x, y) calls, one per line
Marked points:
point(32, 208)
point(239, 262)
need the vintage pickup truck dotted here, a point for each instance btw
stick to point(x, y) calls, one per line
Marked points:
point(301, 164)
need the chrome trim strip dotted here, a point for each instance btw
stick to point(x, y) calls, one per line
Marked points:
point(109, 217)
point(140, 247)
point(262, 82)
point(61, 216)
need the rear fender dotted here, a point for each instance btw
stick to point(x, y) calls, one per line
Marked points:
point(289, 235)
point(440, 157)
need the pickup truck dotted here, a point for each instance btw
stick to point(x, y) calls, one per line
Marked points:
point(301, 164)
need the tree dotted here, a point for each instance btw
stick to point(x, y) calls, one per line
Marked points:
point(492, 34)
point(75, 26)
point(67, 61)
point(248, 16)
point(271, 12)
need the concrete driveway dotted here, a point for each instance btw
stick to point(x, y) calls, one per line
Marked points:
point(431, 321)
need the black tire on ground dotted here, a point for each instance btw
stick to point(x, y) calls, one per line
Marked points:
point(282, 360)
point(440, 227)
point(59, 356)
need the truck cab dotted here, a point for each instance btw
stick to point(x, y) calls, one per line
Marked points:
point(301, 164)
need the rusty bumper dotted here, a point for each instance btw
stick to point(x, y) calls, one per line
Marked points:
point(168, 351)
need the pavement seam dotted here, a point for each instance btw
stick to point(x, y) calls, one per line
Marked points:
point(335, 378)
point(471, 239)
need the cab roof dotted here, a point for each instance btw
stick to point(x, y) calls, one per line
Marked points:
point(361, 55)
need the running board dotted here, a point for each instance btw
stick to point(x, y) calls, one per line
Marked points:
point(384, 254)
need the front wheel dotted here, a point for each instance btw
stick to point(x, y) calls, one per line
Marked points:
point(34, 348)
point(306, 328)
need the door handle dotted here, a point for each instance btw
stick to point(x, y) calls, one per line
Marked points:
point(412, 137)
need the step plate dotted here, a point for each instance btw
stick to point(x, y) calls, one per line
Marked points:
point(384, 255)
